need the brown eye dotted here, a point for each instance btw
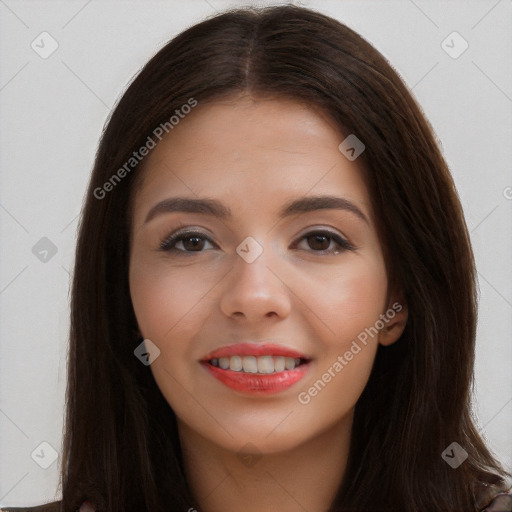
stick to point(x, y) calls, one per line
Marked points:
point(320, 241)
point(191, 242)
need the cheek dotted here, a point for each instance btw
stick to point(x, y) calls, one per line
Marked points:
point(351, 306)
point(347, 299)
point(361, 300)
point(165, 299)
point(335, 389)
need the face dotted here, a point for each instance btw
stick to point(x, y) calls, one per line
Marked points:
point(265, 306)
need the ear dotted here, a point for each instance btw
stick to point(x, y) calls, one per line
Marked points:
point(395, 320)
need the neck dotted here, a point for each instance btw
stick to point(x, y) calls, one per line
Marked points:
point(305, 478)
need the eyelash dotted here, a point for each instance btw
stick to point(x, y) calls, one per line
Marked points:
point(167, 245)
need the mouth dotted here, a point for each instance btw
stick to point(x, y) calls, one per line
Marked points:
point(257, 368)
point(262, 365)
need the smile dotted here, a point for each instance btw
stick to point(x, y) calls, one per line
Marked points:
point(251, 364)
point(257, 369)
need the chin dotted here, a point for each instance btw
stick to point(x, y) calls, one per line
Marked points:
point(262, 433)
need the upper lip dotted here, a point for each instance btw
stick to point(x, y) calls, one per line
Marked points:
point(255, 349)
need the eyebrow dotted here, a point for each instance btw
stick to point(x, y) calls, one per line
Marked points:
point(217, 209)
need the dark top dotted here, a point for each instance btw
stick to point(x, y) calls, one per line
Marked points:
point(502, 502)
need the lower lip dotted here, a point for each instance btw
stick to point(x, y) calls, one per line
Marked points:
point(257, 383)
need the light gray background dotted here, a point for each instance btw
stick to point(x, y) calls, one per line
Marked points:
point(52, 112)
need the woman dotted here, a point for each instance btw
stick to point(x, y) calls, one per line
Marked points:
point(274, 302)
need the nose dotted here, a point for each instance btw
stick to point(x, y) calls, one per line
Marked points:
point(255, 291)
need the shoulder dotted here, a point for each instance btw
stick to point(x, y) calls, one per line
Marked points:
point(502, 502)
point(54, 506)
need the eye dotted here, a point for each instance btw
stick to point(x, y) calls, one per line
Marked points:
point(320, 241)
point(191, 241)
point(194, 241)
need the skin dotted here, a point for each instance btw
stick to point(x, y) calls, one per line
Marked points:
point(254, 155)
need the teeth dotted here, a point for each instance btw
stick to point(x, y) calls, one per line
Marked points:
point(252, 364)
point(235, 363)
point(265, 364)
point(289, 363)
point(279, 364)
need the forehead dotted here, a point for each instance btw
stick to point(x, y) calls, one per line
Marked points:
point(254, 151)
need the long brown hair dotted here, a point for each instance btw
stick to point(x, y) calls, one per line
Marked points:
point(121, 448)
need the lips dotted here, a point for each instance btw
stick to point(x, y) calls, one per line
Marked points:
point(257, 368)
point(255, 349)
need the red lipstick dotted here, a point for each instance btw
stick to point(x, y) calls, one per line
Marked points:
point(254, 349)
point(256, 368)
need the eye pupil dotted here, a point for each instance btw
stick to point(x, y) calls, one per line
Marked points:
point(319, 238)
point(195, 244)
